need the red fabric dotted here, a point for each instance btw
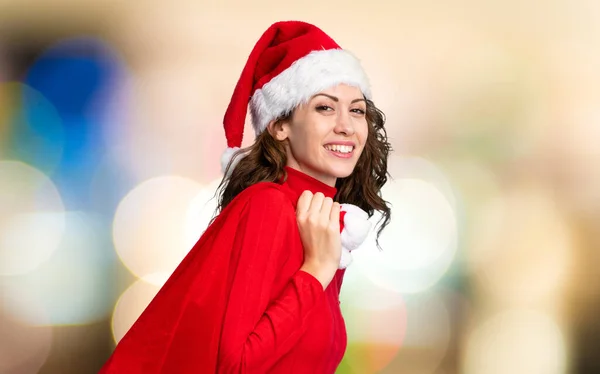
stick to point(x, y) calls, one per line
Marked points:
point(238, 302)
point(277, 49)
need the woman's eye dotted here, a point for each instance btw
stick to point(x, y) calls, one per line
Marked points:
point(324, 108)
point(358, 111)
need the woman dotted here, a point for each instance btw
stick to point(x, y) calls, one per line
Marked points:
point(259, 291)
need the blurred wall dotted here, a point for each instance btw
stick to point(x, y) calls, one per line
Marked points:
point(110, 139)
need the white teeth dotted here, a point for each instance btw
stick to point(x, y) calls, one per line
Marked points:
point(339, 148)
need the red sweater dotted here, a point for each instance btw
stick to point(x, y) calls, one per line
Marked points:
point(238, 302)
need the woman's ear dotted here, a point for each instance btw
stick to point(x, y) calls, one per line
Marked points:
point(278, 129)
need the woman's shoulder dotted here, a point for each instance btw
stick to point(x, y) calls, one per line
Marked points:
point(260, 197)
point(265, 194)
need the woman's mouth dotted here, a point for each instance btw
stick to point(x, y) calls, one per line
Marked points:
point(339, 150)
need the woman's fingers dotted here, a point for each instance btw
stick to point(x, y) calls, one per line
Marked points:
point(319, 228)
point(326, 209)
point(304, 202)
point(317, 203)
point(334, 214)
point(317, 207)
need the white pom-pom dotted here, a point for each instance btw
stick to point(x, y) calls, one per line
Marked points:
point(356, 226)
point(227, 156)
point(346, 259)
point(356, 229)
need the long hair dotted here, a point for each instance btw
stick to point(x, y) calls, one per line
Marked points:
point(264, 161)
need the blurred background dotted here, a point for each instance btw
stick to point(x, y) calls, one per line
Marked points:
point(110, 139)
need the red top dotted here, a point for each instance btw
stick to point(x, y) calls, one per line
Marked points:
point(238, 302)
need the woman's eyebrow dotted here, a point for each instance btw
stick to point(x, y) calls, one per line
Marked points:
point(336, 99)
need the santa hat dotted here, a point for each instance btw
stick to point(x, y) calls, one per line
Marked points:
point(291, 62)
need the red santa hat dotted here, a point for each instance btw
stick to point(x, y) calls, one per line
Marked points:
point(291, 62)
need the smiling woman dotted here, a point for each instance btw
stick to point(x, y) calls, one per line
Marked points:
point(327, 135)
point(337, 136)
point(259, 292)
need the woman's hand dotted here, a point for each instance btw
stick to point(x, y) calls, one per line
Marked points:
point(318, 220)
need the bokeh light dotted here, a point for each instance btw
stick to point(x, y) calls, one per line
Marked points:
point(420, 242)
point(30, 204)
point(427, 336)
point(70, 287)
point(34, 129)
point(77, 75)
point(377, 322)
point(412, 167)
point(115, 113)
point(359, 291)
point(131, 304)
point(375, 338)
point(109, 184)
point(23, 348)
point(500, 250)
point(200, 212)
point(518, 342)
point(149, 227)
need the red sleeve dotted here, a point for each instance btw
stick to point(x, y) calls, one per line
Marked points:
point(257, 332)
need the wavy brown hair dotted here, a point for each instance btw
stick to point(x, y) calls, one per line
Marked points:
point(264, 161)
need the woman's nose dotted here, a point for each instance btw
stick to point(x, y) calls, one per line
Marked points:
point(344, 124)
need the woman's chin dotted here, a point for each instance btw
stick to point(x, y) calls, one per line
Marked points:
point(343, 171)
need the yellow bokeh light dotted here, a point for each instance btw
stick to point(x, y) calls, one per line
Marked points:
point(131, 304)
point(200, 212)
point(518, 342)
point(32, 218)
point(149, 227)
point(520, 250)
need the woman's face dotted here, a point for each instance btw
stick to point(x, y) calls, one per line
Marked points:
point(327, 135)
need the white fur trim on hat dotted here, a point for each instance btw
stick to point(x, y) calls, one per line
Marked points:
point(311, 74)
point(227, 156)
